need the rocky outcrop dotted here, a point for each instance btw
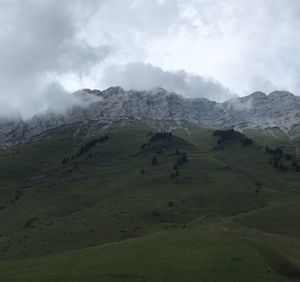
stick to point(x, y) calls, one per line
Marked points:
point(258, 110)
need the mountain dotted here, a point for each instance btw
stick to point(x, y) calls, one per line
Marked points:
point(140, 186)
point(210, 208)
point(277, 113)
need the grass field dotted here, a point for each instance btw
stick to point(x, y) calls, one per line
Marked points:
point(211, 252)
point(111, 215)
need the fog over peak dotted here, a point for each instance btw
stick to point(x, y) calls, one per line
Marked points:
point(196, 48)
point(138, 76)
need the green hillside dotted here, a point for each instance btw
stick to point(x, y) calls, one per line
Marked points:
point(139, 203)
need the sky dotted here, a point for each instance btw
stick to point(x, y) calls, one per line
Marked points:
point(198, 48)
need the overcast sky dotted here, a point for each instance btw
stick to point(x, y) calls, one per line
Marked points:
point(198, 48)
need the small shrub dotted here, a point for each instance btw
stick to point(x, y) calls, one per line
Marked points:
point(64, 161)
point(154, 160)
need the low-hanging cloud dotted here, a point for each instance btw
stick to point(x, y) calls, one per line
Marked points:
point(39, 40)
point(245, 46)
point(140, 76)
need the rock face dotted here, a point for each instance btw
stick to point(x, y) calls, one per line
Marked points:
point(258, 110)
point(281, 109)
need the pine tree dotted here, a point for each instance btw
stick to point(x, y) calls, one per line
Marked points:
point(154, 160)
point(183, 158)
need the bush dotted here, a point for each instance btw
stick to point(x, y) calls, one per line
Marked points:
point(171, 204)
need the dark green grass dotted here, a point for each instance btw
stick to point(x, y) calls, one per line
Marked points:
point(48, 208)
point(208, 253)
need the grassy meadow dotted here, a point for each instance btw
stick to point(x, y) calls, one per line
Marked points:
point(200, 211)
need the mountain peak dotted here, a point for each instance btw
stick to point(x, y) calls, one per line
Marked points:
point(115, 90)
point(280, 94)
point(158, 90)
point(86, 91)
point(257, 110)
point(258, 95)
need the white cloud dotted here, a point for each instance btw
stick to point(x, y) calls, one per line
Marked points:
point(38, 40)
point(146, 77)
point(244, 45)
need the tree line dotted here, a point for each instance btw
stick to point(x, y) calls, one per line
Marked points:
point(84, 148)
point(156, 137)
point(281, 160)
point(181, 157)
point(230, 135)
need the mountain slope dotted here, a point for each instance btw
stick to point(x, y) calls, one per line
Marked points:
point(103, 195)
point(224, 214)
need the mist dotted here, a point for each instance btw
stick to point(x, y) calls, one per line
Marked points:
point(139, 76)
point(39, 40)
point(203, 48)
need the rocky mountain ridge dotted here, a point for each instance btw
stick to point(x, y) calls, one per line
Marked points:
point(278, 110)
